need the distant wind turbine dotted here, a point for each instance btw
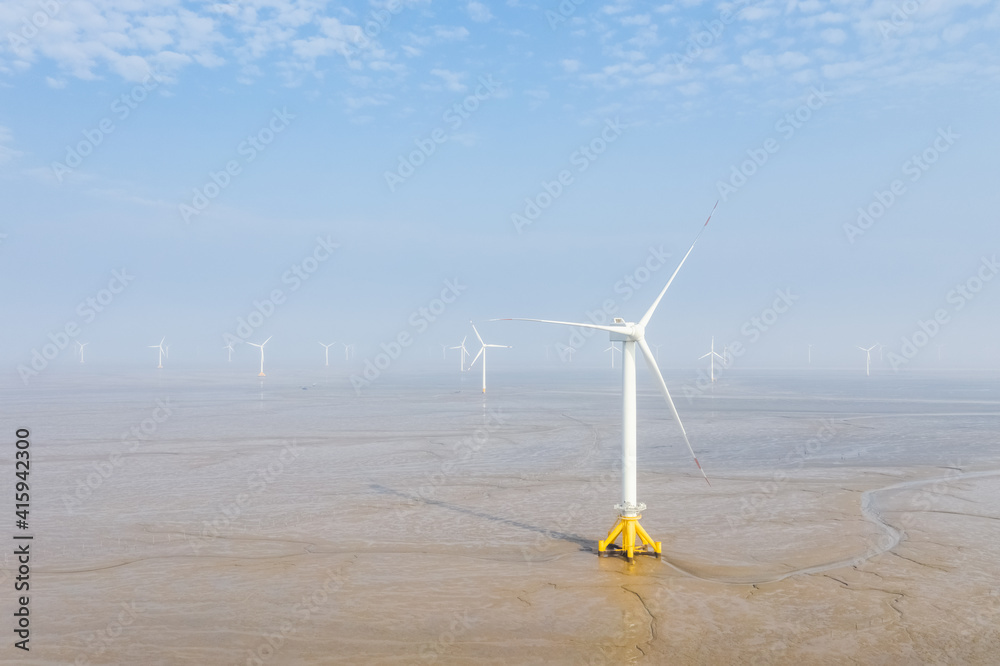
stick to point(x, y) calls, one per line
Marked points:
point(462, 354)
point(868, 359)
point(711, 356)
point(261, 346)
point(161, 352)
point(230, 348)
point(632, 335)
point(656, 352)
point(612, 348)
point(81, 345)
point(482, 352)
point(348, 350)
point(327, 349)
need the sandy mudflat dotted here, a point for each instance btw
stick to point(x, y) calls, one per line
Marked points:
point(414, 526)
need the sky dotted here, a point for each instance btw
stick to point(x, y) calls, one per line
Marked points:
point(382, 173)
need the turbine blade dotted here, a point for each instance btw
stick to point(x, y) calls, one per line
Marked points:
point(652, 308)
point(481, 350)
point(705, 356)
point(477, 334)
point(610, 329)
point(648, 355)
point(266, 341)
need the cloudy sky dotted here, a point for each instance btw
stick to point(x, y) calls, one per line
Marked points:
point(362, 171)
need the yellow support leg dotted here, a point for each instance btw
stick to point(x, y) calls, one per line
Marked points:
point(628, 527)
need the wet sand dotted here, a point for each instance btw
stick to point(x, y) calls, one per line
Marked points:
point(459, 533)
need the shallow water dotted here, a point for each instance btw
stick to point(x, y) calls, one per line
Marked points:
point(293, 521)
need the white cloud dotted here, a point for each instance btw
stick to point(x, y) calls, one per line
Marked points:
point(570, 65)
point(6, 152)
point(834, 36)
point(452, 80)
point(478, 12)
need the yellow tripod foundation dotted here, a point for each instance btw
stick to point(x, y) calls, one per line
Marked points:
point(628, 527)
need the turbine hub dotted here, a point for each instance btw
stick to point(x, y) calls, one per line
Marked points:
point(630, 332)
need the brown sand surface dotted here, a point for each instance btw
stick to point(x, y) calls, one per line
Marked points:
point(402, 547)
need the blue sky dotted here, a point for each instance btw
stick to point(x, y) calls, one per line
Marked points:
point(119, 121)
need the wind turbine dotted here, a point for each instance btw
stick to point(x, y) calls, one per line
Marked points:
point(161, 355)
point(261, 346)
point(631, 335)
point(482, 352)
point(327, 348)
point(613, 349)
point(81, 345)
point(230, 348)
point(711, 356)
point(463, 352)
point(347, 351)
point(868, 359)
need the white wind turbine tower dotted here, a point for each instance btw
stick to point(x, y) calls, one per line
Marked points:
point(462, 354)
point(632, 335)
point(711, 356)
point(81, 345)
point(868, 359)
point(612, 348)
point(327, 348)
point(348, 349)
point(482, 352)
point(161, 354)
point(261, 346)
point(230, 348)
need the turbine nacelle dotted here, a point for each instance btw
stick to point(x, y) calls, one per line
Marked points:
point(626, 331)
